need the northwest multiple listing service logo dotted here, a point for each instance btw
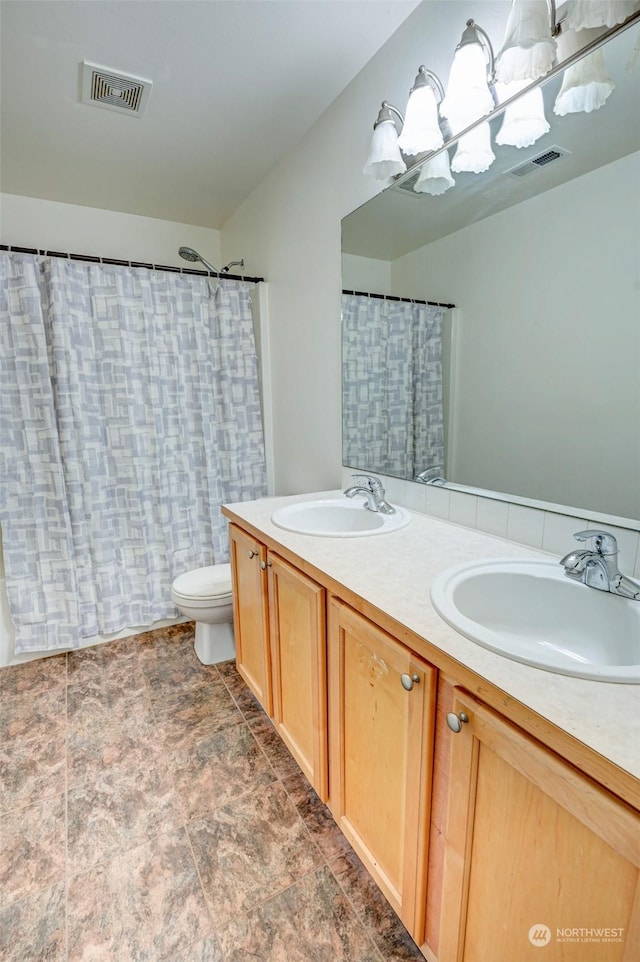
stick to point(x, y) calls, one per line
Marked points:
point(541, 935)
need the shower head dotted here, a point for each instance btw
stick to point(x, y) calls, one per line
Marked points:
point(188, 254)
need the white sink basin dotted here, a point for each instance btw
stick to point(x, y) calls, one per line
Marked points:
point(337, 518)
point(531, 612)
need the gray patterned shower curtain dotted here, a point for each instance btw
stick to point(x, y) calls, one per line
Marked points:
point(129, 412)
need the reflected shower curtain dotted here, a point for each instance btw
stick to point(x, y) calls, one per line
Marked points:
point(129, 412)
point(392, 386)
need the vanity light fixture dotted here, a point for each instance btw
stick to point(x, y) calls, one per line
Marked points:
point(421, 130)
point(529, 48)
point(469, 96)
point(385, 159)
point(598, 13)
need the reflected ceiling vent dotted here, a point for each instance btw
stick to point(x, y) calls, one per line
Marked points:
point(408, 185)
point(549, 156)
point(106, 88)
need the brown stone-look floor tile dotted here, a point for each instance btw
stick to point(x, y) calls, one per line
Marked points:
point(32, 848)
point(311, 921)
point(217, 769)
point(33, 676)
point(170, 676)
point(145, 905)
point(109, 662)
point(117, 810)
point(189, 716)
point(250, 848)
point(32, 768)
point(283, 762)
point(316, 816)
point(33, 928)
point(164, 638)
point(390, 935)
point(131, 743)
point(23, 715)
point(92, 706)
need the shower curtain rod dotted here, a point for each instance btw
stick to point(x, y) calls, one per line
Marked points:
point(392, 297)
point(91, 259)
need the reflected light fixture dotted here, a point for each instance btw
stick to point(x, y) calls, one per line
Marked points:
point(586, 85)
point(421, 130)
point(385, 159)
point(473, 153)
point(524, 121)
point(598, 13)
point(435, 175)
point(529, 48)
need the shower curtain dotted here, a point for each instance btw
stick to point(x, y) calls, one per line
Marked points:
point(129, 412)
point(392, 386)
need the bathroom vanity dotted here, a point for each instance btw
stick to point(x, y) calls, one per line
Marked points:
point(496, 805)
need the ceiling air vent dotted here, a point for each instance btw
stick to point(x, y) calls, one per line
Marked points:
point(550, 156)
point(106, 88)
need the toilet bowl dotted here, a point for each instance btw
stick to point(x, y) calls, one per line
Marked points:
point(204, 596)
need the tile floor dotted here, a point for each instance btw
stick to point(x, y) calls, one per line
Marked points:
point(149, 812)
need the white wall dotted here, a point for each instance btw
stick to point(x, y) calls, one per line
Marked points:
point(549, 404)
point(290, 225)
point(68, 228)
point(366, 274)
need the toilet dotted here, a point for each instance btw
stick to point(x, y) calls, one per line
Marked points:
point(204, 596)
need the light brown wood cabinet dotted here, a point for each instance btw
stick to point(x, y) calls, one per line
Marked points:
point(381, 714)
point(251, 614)
point(540, 862)
point(279, 621)
point(485, 841)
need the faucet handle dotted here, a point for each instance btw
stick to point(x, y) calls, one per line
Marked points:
point(603, 541)
point(374, 484)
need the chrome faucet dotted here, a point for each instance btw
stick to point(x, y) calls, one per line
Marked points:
point(373, 491)
point(597, 566)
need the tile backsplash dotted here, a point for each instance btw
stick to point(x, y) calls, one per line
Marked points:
point(548, 530)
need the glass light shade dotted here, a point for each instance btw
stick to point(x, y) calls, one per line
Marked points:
point(435, 176)
point(523, 122)
point(421, 131)
point(529, 50)
point(468, 96)
point(474, 153)
point(385, 159)
point(587, 84)
point(598, 13)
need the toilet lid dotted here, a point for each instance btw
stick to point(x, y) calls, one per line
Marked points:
point(210, 582)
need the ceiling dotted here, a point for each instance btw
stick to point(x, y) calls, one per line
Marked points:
point(236, 83)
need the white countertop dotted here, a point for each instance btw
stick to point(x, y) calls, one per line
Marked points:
point(394, 572)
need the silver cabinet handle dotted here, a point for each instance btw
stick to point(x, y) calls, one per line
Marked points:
point(455, 722)
point(265, 564)
point(408, 681)
point(252, 553)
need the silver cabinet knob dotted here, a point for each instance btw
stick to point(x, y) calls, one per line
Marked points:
point(252, 553)
point(265, 564)
point(408, 681)
point(455, 722)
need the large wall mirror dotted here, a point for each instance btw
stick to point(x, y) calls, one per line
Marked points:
point(540, 359)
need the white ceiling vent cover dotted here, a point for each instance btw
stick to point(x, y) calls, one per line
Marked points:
point(107, 88)
point(549, 156)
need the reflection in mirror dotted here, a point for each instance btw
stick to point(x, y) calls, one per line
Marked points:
point(540, 362)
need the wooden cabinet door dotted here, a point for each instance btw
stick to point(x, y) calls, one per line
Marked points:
point(540, 862)
point(299, 670)
point(380, 752)
point(251, 613)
